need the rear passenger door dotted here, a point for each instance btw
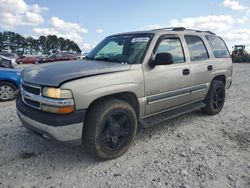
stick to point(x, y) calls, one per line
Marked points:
point(201, 66)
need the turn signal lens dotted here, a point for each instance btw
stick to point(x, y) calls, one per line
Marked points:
point(57, 110)
point(57, 93)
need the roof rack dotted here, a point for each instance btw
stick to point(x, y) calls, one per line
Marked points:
point(182, 29)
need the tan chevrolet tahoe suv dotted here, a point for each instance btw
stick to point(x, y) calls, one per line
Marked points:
point(128, 79)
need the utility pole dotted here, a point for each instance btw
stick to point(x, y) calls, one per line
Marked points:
point(78, 34)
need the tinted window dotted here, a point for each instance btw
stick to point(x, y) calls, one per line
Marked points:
point(172, 46)
point(196, 48)
point(218, 46)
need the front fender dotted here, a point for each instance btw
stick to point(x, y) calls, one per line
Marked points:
point(86, 90)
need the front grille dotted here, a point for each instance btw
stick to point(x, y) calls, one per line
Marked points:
point(31, 89)
point(32, 103)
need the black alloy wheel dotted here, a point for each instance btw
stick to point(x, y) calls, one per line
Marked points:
point(116, 131)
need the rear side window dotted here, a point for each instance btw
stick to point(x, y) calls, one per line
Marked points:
point(218, 46)
point(196, 48)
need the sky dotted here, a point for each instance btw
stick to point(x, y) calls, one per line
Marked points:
point(87, 22)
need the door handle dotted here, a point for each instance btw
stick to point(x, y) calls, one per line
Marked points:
point(185, 71)
point(209, 67)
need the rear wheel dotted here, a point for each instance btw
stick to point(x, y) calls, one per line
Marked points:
point(215, 98)
point(7, 91)
point(109, 129)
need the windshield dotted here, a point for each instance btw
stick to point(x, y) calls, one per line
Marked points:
point(128, 49)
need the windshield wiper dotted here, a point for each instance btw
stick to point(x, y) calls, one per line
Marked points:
point(104, 59)
point(107, 59)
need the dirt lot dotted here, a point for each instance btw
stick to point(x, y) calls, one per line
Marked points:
point(193, 150)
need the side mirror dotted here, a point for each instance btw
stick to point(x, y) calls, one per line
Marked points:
point(162, 59)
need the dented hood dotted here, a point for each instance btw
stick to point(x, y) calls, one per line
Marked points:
point(54, 74)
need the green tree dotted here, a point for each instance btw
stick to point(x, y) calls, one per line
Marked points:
point(14, 42)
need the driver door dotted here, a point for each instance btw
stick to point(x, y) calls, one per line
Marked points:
point(167, 86)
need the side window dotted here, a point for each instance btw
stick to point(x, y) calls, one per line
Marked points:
point(172, 46)
point(196, 48)
point(218, 46)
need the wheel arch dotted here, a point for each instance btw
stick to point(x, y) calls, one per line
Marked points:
point(128, 97)
point(221, 78)
point(11, 82)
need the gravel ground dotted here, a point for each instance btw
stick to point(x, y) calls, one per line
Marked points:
point(193, 150)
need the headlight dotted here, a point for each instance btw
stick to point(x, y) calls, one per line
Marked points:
point(57, 93)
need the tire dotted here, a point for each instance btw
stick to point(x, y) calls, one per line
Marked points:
point(215, 98)
point(7, 91)
point(109, 129)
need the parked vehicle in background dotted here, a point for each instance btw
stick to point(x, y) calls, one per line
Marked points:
point(144, 76)
point(7, 62)
point(12, 56)
point(9, 83)
point(58, 56)
point(30, 59)
point(79, 55)
point(240, 55)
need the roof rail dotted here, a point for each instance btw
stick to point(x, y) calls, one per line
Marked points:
point(182, 29)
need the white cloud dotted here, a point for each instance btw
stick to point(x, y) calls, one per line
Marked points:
point(248, 12)
point(61, 28)
point(87, 47)
point(31, 18)
point(223, 25)
point(36, 8)
point(45, 31)
point(66, 26)
point(242, 20)
point(15, 13)
point(99, 30)
point(153, 26)
point(211, 22)
point(236, 37)
point(234, 5)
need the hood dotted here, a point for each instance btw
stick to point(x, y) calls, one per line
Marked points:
point(54, 74)
point(6, 58)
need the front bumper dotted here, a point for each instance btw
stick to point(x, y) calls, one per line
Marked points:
point(63, 128)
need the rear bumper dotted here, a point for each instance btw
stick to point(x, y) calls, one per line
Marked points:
point(63, 128)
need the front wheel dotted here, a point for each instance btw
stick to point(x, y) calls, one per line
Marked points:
point(7, 91)
point(110, 128)
point(215, 98)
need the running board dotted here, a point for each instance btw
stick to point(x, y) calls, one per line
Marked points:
point(158, 118)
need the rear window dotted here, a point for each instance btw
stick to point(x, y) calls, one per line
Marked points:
point(218, 46)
